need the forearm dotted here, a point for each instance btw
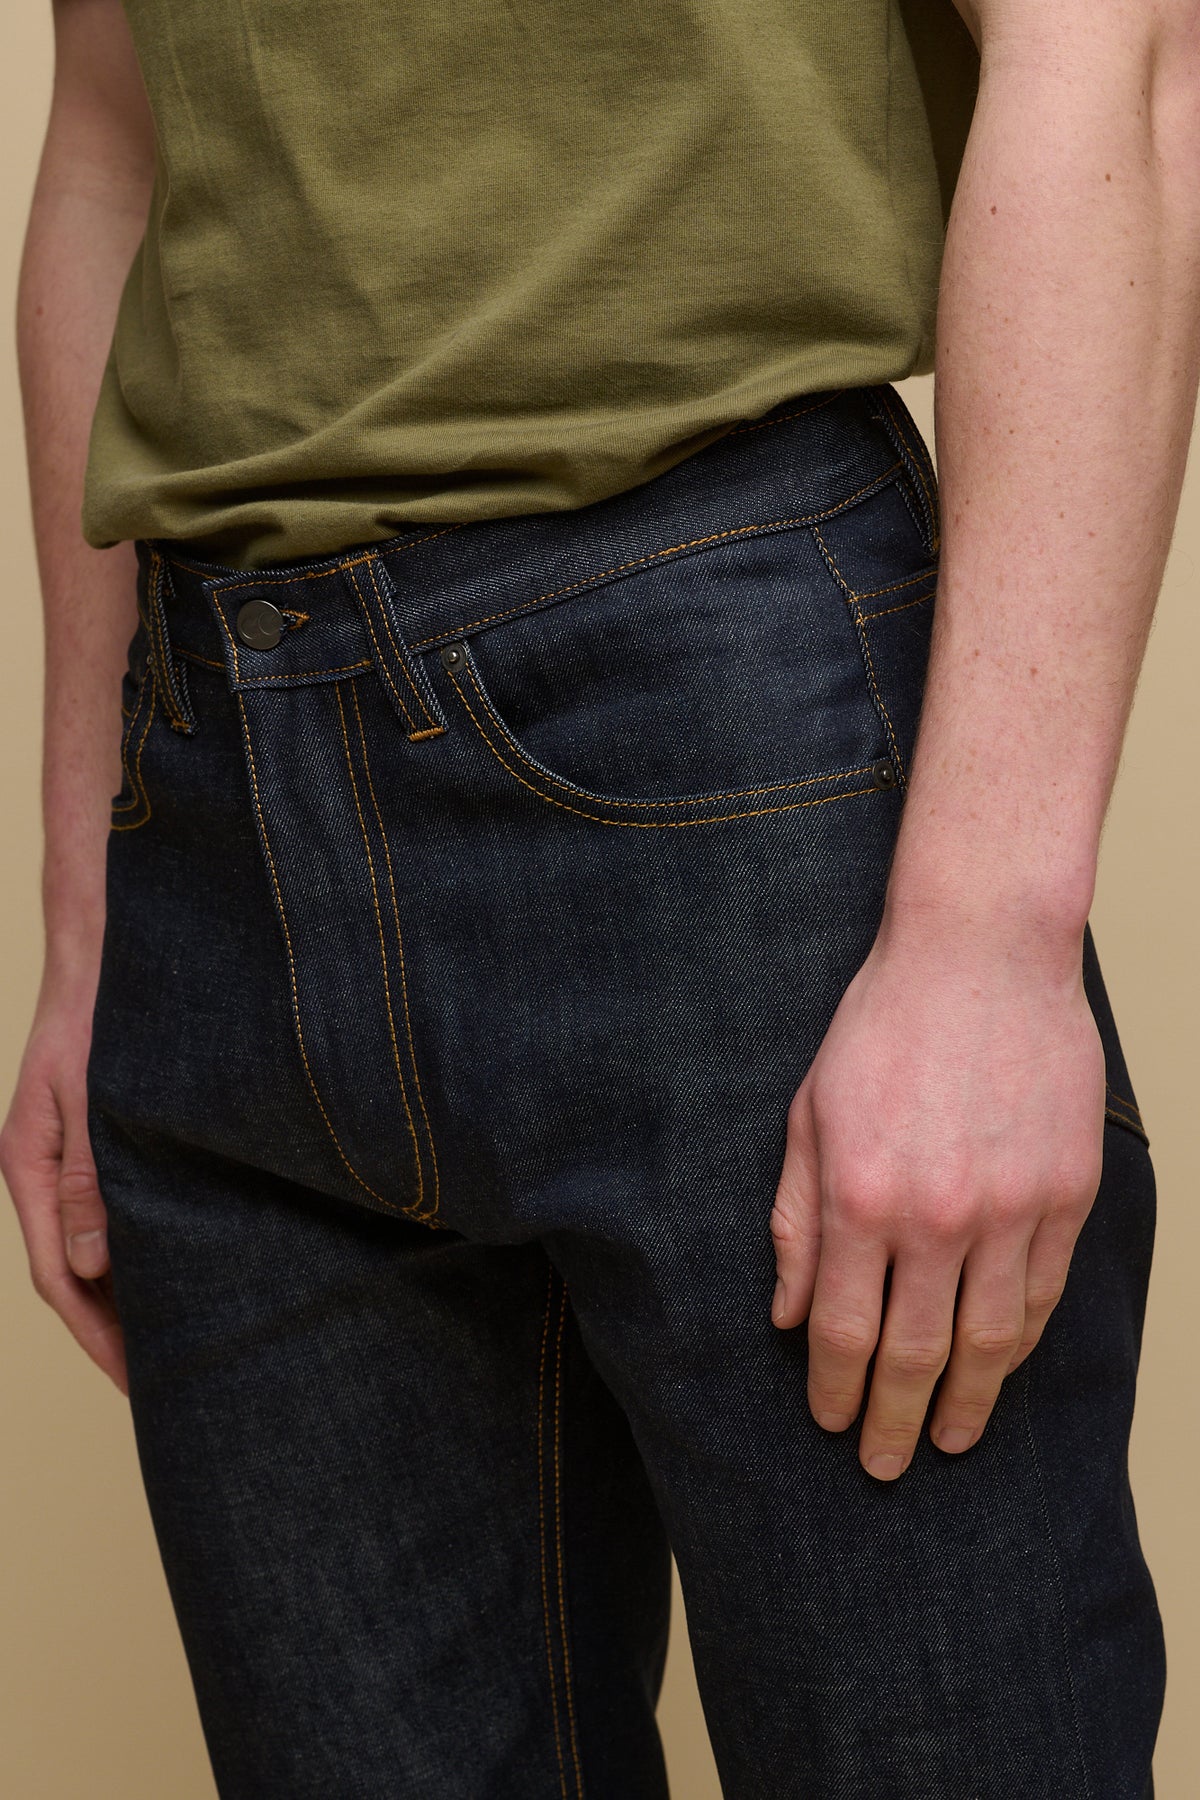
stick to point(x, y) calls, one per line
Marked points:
point(87, 216)
point(1068, 348)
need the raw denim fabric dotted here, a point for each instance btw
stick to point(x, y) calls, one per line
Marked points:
point(465, 949)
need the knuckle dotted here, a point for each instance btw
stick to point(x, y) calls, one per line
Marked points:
point(915, 1362)
point(945, 1225)
point(864, 1200)
point(990, 1340)
point(77, 1186)
point(1044, 1296)
point(826, 1397)
point(964, 1407)
point(845, 1339)
point(895, 1434)
point(786, 1228)
point(1076, 1179)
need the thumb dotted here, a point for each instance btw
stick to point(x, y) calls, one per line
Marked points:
point(796, 1219)
point(80, 1208)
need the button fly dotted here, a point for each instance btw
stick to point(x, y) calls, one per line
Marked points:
point(260, 625)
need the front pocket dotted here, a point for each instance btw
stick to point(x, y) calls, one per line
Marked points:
point(614, 809)
point(724, 685)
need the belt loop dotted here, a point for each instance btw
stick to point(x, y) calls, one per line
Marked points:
point(407, 685)
point(172, 677)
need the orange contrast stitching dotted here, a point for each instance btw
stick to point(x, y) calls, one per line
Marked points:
point(885, 611)
point(773, 787)
point(327, 568)
point(401, 658)
point(237, 673)
point(655, 824)
point(173, 713)
point(541, 1486)
point(207, 661)
point(852, 597)
point(909, 581)
point(765, 424)
point(715, 537)
point(1116, 1099)
point(139, 797)
point(387, 985)
point(558, 1538)
point(918, 463)
point(287, 938)
point(380, 663)
point(387, 855)
point(1118, 1118)
point(307, 674)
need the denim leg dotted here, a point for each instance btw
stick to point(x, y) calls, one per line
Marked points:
point(461, 966)
point(408, 1538)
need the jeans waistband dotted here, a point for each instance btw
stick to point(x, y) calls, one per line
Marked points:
point(387, 603)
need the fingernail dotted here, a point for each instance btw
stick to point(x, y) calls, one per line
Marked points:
point(833, 1421)
point(779, 1303)
point(953, 1439)
point(87, 1252)
point(885, 1467)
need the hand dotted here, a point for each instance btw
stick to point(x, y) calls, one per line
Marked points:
point(47, 1162)
point(950, 1126)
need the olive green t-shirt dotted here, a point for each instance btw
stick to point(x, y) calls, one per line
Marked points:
point(458, 259)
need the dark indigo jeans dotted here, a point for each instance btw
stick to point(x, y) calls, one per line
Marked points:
point(477, 902)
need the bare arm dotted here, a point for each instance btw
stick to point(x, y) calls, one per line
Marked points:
point(952, 1122)
point(88, 213)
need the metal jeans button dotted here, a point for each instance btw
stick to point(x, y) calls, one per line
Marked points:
point(260, 625)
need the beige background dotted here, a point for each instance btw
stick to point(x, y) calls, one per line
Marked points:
point(94, 1696)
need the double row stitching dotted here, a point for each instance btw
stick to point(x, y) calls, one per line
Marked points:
point(401, 657)
point(417, 1208)
point(717, 799)
point(158, 638)
point(892, 586)
point(1119, 1100)
point(657, 824)
point(1124, 1112)
point(291, 961)
point(412, 1053)
point(560, 1571)
point(653, 556)
point(208, 661)
point(327, 568)
point(380, 661)
point(139, 800)
point(1110, 1112)
point(860, 622)
point(364, 662)
point(885, 612)
point(918, 458)
point(172, 684)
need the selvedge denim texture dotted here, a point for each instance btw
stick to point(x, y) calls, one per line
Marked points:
point(476, 906)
